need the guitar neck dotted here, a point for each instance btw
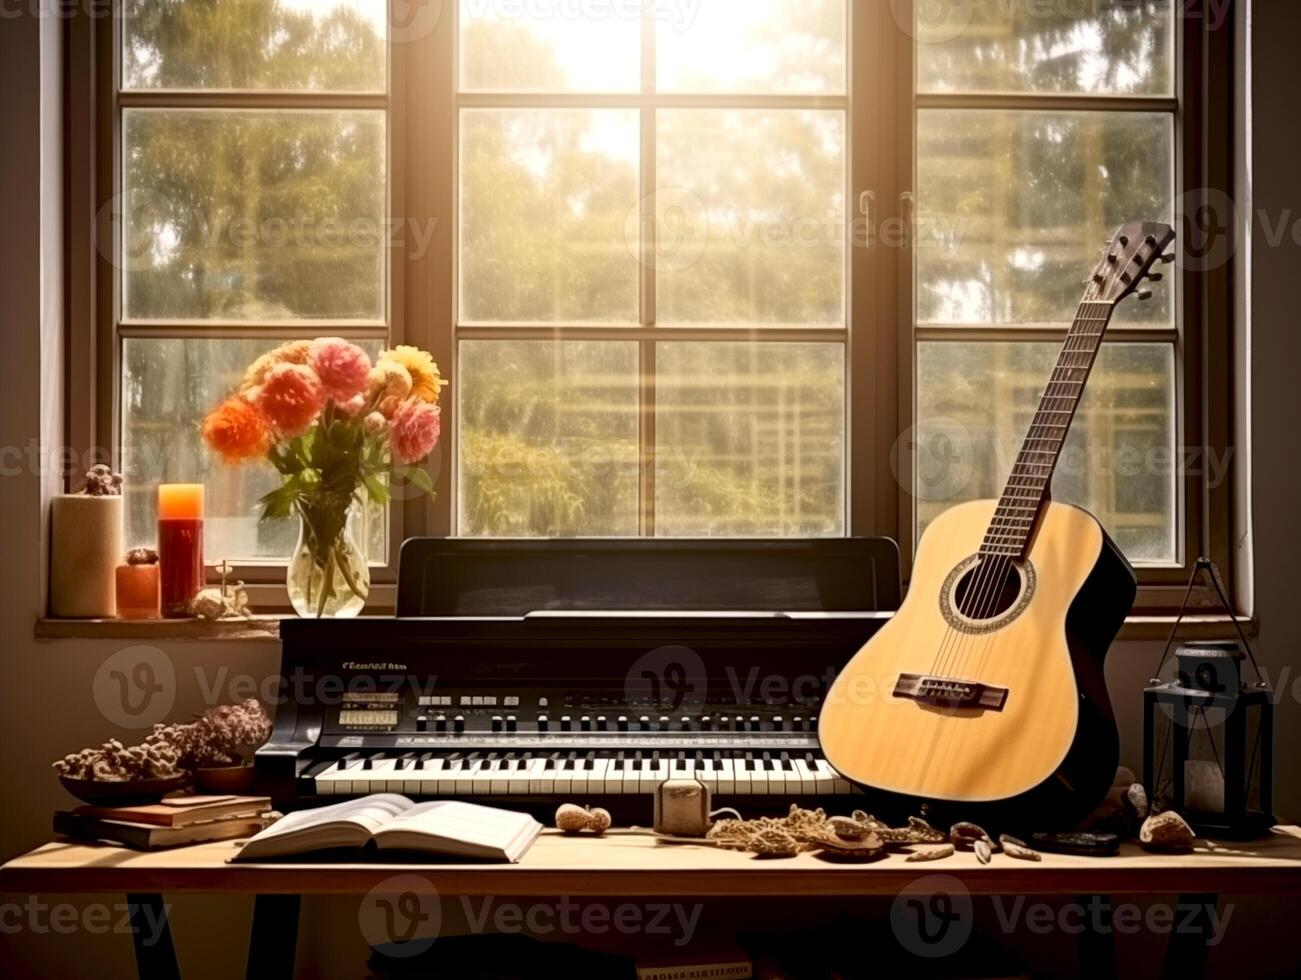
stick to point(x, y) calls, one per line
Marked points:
point(1032, 474)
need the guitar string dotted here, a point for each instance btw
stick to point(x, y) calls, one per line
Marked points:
point(1011, 528)
point(996, 531)
point(980, 652)
point(1000, 566)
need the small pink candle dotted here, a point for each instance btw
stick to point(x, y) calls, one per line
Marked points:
point(180, 547)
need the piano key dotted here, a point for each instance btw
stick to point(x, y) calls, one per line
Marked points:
point(726, 778)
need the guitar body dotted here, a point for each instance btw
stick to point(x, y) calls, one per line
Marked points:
point(1038, 747)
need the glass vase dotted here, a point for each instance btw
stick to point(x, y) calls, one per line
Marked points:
point(329, 577)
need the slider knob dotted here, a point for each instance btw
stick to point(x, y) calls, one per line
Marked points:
point(422, 724)
point(458, 723)
point(511, 724)
point(543, 723)
point(496, 723)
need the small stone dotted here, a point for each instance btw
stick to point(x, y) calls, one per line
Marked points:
point(849, 829)
point(599, 820)
point(1167, 832)
point(572, 818)
point(1136, 801)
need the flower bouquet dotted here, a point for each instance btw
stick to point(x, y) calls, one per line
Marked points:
point(337, 428)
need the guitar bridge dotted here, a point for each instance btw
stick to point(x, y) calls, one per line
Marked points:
point(949, 692)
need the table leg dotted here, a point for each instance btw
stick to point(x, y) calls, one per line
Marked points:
point(1098, 940)
point(1186, 953)
point(273, 944)
point(151, 934)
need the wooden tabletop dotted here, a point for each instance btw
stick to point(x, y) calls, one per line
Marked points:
point(631, 866)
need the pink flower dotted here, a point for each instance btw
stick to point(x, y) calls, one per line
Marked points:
point(291, 398)
point(416, 427)
point(344, 368)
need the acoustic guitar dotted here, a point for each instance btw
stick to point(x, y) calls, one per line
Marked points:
point(985, 696)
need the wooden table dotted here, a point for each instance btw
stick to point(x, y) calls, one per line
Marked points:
point(627, 866)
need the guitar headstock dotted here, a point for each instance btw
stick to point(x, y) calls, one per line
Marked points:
point(1130, 257)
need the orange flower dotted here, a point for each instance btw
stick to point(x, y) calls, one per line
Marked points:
point(237, 431)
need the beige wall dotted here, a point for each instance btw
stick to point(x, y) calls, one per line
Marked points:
point(46, 700)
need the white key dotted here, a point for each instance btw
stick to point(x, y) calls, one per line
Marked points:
point(462, 779)
point(826, 777)
point(518, 784)
point(581, 778)
point(541, 779)
point(603, 780)
point(631, 777)
point(759, 779)
point(741, 778)
point(338, 782)
point(563, 779)
point(487, 779)
point(726, 778)
point(808, 779)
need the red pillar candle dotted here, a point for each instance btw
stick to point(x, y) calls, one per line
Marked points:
point(180, 547)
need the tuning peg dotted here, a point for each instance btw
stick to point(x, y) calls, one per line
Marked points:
point(1112, 259)
point(1098, 277)
point(1156, 276)
point(1124, 241)
point(1145, 294)
point(1167, 259)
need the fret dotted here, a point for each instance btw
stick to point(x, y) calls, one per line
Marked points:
point(1023, 497)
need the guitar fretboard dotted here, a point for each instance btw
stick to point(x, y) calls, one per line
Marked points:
point(1032, 474)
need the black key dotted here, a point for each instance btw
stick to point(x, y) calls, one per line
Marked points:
point(786, 762)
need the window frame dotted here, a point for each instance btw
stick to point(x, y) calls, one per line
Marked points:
point(423, 102)
point(648, 331)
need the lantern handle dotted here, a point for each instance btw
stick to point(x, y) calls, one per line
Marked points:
point(1214, 572)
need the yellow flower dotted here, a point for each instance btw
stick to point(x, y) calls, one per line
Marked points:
point(426, 382)
point(293, 352)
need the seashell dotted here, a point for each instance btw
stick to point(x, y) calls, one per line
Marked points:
point(984, 852)
point(1018, 849)
point(1167, 832)
point(932, 853)
point(599, 820)
point(572, 818)
point(966, 835)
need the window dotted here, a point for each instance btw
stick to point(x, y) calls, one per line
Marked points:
point(702, 269)
point(252, 165)
point(1038, 132)
point(653, 273)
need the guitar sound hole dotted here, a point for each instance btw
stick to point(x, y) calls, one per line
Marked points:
point(988, 590)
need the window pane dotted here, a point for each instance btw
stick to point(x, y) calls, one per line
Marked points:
point(550, 46)
point(974, 405)
point(1104, 46)
point(750, 439)
point(236, 215)
point(546, 198)
point(255, 44)
point(168, 386)
point(759, 46)
point(750, 217)
point(1013, 209)
point(549, 439)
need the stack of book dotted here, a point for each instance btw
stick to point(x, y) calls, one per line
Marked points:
point(174, 822)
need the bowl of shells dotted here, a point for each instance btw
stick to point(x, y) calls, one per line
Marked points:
point(118, 775)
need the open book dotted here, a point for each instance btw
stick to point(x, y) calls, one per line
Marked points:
point(390, 822)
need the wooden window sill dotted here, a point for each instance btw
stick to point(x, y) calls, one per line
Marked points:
point(266, 628)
